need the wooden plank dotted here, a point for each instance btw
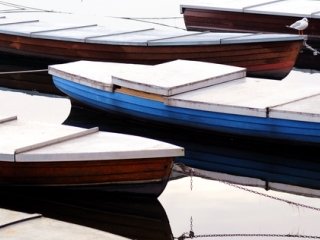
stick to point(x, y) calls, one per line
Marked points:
point(287, 8)
point(56, 140)
point(305, 109)
point(178, 36)
point(140, 94)
point(252, 38)
point(276, 7)
point(248, 96)
point(315, 14)
point(261, 4)
point(62, 29)
point(118, 33)
point(176, 77)
point(236, 5)
point(89, 73)
point(8, 119)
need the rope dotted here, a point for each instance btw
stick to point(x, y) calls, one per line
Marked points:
point(25, 71)
point(315, 51)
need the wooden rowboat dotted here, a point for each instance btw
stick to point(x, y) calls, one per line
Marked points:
point(263, 16)
point(48, 38)
point(41, 155)
point(198, 95)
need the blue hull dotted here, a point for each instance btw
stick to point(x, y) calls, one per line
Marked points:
point(269, 128)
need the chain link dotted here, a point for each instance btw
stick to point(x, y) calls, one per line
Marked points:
point(189, 235)
point(272, 197)
point(185, 236)
point(192, 172)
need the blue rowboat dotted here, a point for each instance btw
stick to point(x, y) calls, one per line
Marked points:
point(199, 95)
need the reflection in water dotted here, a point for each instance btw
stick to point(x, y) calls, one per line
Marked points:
point(219, 209)
point(211, 209)
point(216, 209)
point(134, 218)
point(208, 203)
point(293, 163)
point(205, 204)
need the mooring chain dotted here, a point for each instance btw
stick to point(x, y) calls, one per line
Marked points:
point(185, 235)
point(192, 172)
point(272, 197)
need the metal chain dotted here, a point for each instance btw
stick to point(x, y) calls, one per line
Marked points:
point(185, 236)
point(272, 197)
point(192, 172)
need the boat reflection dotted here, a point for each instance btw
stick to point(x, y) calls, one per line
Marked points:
point(133, 218)
point(271, 163)
point(215, 208)
point(294, 174)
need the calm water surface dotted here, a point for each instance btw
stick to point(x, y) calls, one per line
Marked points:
point(211, 209)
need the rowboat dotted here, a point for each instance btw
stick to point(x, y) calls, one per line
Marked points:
point(41, 155)
point(36, 40)
point(263, 16)
point(198, 95)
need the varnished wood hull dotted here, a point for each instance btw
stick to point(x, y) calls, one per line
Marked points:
point(137, 176)
point(265, 59)
point(197, 19)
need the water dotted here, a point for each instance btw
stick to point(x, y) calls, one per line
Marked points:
point(202, 202)
point(193, 201)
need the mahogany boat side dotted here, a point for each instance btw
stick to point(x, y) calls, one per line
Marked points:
point(220, 20)
point(273, 59)
point(104, 175)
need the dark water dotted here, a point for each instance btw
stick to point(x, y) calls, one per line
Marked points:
point(206, 203)
point(196, 201)
point(210, 207)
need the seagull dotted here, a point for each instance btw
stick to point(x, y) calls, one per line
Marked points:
point(300, 25)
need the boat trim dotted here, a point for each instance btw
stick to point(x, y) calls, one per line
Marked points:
point(142, 94)
point(119, 33)
point(62, 29)
point(178, 36)
point(54, 141)
point(20, 22)
point(261, 4)
point(8, 119)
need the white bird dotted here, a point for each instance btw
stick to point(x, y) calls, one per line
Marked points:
point(300, 25)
